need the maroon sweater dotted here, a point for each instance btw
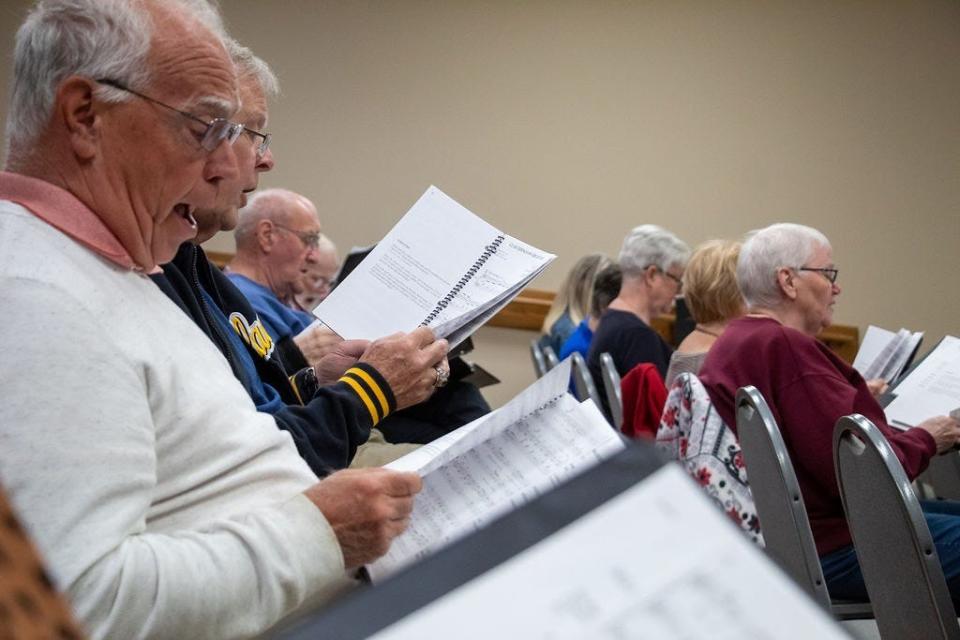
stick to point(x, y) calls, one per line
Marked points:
point(808, 389)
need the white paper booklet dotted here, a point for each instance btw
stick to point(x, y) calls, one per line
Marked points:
point(931, 389)
point(884, 354)
point(496, 463)
point(440, 266)
point(657, 561)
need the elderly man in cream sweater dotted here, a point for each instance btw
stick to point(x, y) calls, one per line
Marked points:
point(165, 505)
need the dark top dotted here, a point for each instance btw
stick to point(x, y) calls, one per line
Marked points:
point(331, 421)
point(808, 389)
point(630, 341)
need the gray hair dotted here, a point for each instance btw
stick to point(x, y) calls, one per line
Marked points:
point(325, 244)
point(249, 64)
point(767, 250)
point(648, 245)
point(93, 38)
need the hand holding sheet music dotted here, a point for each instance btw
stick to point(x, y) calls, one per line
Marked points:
point(440, 266)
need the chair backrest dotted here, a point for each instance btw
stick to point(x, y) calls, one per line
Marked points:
point(943, 474)
point(776, 493)
point(539, 361)
point(693, 433)
point(550, 356)
point(582, 380)
point(611, 388)
point(897, 555)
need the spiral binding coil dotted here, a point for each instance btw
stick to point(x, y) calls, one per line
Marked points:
point(548, 403)
point(488, 251)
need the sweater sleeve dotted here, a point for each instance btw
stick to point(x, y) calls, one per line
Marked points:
point(809, 408)
point(78, 455)
point(337, 419)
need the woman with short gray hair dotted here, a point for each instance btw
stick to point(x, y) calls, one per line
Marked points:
point(789, 280)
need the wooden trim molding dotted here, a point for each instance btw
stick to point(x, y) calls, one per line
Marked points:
point(528, 310)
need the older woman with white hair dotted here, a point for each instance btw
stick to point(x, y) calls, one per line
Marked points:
point(789, 282)
point(652, 261)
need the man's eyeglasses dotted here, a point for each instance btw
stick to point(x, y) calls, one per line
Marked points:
point(264, 141)
point(308, 238)
point(669, 275)
point(217, 130)
point(828, 273)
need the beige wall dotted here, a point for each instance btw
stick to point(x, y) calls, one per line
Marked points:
point(567, 123)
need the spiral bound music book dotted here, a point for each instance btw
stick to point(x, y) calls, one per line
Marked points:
point(440, 266)
point(497, 463)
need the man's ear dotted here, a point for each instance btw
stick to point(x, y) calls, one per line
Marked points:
point(79, 113)
point(787, 279)
point(266, 236)
point(649, 274)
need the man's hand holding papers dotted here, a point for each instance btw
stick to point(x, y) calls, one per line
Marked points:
point(367, 509)
point(407, 361)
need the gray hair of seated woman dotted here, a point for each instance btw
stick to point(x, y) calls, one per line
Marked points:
point(648, 245)
point(766, 251)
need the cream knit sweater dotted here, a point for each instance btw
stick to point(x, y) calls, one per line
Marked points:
point(164, 504)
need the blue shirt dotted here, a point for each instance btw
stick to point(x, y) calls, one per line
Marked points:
point(279, 319)
point(579, 340)
point(264, 396)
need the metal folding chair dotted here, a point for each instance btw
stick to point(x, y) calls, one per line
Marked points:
point(776, 493)
point(943, 475)
point(582, 380)
point(550, 356)
point(897, 556)
point(611, 387)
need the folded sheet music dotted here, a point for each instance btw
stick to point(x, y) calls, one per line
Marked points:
point(931, 389)
point(496, 463)
point(657, 561)
point(440, 266)
point(884, 354)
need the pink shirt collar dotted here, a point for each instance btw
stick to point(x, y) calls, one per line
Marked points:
point(61, 209)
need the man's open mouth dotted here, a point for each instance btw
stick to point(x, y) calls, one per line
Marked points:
point(186, 212)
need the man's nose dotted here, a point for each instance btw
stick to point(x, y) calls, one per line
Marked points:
point(265, 162)
point(221, 164)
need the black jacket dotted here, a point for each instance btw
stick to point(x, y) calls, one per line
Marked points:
point(330, 421)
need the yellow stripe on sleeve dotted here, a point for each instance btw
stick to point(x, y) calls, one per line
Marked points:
point(363, 396)
point(366, 377)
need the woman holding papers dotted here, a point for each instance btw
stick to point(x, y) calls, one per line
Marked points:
point(788, 280)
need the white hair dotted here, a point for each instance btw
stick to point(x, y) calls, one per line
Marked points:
point(269, 204)
point(767, 250)
point(93, 38)
point(249, 64)
point(648, 245)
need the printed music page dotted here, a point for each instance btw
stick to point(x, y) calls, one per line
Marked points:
point(440, 265)
point(522, 455)
point(931, 389)
point(657, 561)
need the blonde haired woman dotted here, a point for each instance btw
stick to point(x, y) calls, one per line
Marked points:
point(713, 297)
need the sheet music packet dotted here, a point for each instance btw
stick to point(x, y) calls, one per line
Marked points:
point(683, 571)
point(440, 266)
point(884, 354)
point(931, 389)
point(496, 463)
